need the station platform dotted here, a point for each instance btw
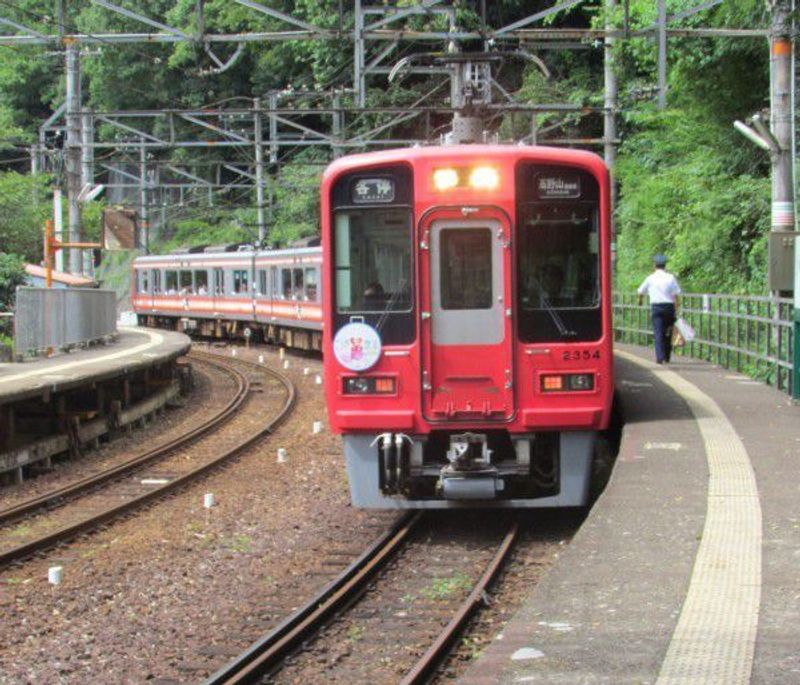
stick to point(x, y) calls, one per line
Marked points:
point(135, 348)
point(52, 406)
point(686, 570)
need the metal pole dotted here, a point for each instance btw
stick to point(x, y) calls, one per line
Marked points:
point(273, 128)
point(609, 117)
point(336, 124)
point(144, 224)
point(262, 227)
point(58, 220)
point(661, 28)
point(73, 151)
point(34, 159)
point(87, 174)
point(359, 82)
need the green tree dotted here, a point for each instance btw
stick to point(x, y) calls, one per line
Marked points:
point(12, 274)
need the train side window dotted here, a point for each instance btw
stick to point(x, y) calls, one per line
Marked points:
point(172, 282)
point(219, 282)
point(185, 282)
point(297, 285)
point(311, 284)
point(156, 281)
point(240, 281)
point(262, 282)
point(201, 282)
point(274, 285)
point(143, 281)
point(286, 284)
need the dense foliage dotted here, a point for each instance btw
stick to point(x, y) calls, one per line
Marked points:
point(688, 185)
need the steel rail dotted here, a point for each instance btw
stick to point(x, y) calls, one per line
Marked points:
point(279, 643)
point(92, 522)
point(424, 668)
point(81, 486)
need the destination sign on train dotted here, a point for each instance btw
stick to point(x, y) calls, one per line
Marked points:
point(367, 190)
point(558, 186)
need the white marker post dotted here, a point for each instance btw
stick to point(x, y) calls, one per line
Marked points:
point(317, 427)
point(281, 455)
point(208, 500)
point(55, 574)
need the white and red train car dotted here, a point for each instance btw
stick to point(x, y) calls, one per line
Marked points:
point(467, 336)
point(268, 294)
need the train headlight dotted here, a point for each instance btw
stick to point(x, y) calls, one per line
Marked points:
point(566, 382)
point(445, 179)
point(484, 178)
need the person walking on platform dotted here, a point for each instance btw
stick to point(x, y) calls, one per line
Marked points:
point(663, 290)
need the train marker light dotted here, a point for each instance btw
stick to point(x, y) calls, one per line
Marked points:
point(484, 178)
point(369, 385)
point(552, 383)
point(575, 382)
point(445, 179)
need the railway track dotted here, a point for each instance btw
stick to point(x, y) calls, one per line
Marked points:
point(343, 595)
point(109, 484)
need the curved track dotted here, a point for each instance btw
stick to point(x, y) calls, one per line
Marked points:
point(90, 484)
point(272, 650)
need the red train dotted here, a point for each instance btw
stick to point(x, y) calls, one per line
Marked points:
point(467, 333)
point(462, 302)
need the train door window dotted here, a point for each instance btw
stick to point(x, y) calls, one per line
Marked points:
point(262, 282)
point(274, 284)
point(219, 282)
point(201, 282)
point(240, 281)
point(286, 284)
point(465, 265)
point(311, 284)
point(185, 282)
point(143, 281)
point(297, 284)
point(172, 282)
point(156, 281)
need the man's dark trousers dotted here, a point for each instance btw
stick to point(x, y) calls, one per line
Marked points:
point(663, 321)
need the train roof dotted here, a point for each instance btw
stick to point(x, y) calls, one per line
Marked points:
point(186, 259)
point(546, 155)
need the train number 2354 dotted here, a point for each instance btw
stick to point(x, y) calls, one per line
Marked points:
point(577, 355)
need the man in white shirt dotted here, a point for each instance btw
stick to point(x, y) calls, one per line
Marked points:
point(662, 288)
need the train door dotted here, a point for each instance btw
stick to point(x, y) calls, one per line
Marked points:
point(466, 317)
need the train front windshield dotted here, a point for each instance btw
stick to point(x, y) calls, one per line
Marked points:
point(558, 284)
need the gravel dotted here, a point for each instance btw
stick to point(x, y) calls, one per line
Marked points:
point(170, 594)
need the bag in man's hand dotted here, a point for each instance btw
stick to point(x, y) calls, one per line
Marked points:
point(684, 329)
point(677, 338)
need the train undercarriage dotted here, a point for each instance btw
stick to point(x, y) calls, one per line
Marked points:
point(457, 469)
point(254, 332)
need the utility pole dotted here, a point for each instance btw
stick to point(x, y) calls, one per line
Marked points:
point(73, 151)
point(661, 28)
point(609, 116)
point(781, 51)
point(257, 134)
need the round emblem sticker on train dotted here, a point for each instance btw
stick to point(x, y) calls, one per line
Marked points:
point(357, 346)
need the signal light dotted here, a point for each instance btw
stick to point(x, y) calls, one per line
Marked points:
point(369, 385)
point(568, 382)
point(484, 178)
point(445, 179)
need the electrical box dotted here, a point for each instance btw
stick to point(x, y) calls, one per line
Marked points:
point(781, 260)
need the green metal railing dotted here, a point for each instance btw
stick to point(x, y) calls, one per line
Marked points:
point(752, 335)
